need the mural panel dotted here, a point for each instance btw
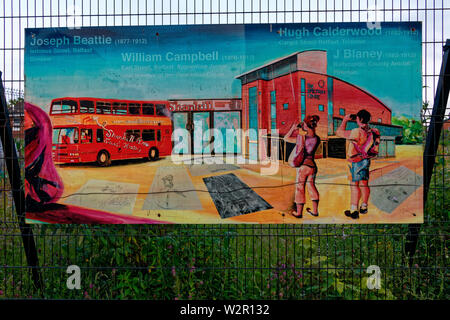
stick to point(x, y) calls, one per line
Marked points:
point(259, 123)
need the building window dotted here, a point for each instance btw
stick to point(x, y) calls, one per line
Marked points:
point(330, 106)
point(379, 120)
point(273, 109)
point(253, 108)
point(321, 108)
point(285, 106)
point(342, 111)
point(303, 98)
point(252, 123)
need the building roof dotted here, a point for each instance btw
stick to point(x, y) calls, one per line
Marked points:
point(324, 74)
point(275, 61)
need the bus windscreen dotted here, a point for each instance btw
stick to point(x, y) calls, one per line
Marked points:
point(64, 107)
point(65, 135)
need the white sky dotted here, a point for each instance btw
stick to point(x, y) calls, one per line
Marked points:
point(15, 15)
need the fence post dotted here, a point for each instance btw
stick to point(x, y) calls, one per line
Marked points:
point(432, 142)
point(12, 165)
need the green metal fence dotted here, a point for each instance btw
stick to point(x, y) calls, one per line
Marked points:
point(227, 261)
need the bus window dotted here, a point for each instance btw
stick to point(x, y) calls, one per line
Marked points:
point(103, 107)
point(86, 135)
point(99, 135)
point(119, 108)
point(56, 107)
point(87, 106)
point(148, 135)
point(132, 135)
point(148, 108)
point(158, 135)
point(65, 135)
point(64, 106)
point(161, 110)
point(134, 108)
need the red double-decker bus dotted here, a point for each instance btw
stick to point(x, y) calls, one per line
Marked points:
point(102, 130)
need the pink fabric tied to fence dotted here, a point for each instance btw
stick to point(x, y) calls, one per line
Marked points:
point(42, 182)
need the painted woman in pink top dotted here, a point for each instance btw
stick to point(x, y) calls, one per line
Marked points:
point(306, 173)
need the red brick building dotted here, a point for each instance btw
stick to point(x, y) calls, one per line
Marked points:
point(275, 94)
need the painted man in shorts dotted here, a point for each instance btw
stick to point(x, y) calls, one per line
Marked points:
point(359, 155)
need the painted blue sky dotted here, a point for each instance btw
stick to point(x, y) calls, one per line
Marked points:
point(392, 73)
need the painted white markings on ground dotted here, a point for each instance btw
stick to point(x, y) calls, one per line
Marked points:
point(106, 195)
point(172, 189)
point(394, 187)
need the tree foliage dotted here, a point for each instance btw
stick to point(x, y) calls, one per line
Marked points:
point(412, 129)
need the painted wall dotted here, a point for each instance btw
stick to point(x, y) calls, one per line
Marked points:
point(288, 91)
point(352, 99)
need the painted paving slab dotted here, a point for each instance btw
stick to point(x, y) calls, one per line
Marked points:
point(207, 169)
point(401, 182)
point(172, 189)
point(232, 197)
point(105, 195)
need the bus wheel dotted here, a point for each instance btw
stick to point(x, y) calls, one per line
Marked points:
point(153, 154)
point(103, 158)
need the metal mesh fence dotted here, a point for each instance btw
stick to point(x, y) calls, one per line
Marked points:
point(226, 261)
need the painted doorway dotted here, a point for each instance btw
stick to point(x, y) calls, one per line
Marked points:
point(201, 133)
point(196, 135)
point(227, 136)
point(182, 138)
